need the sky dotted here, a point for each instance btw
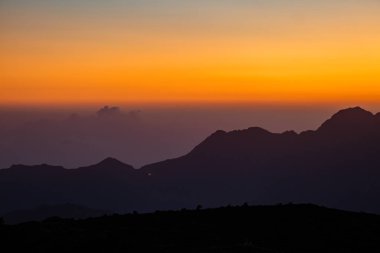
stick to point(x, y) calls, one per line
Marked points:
point(170, 52)
point(177, 70)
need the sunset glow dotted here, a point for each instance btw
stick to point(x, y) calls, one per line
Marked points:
point(182, 52)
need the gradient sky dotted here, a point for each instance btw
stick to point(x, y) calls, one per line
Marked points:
point(201, 51)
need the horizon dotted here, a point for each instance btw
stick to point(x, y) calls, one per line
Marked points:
point(122, 115)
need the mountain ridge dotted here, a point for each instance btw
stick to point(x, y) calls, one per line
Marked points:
point(356, 112)
point(335, 165)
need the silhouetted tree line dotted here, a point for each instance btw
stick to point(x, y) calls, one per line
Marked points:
point(280, 228)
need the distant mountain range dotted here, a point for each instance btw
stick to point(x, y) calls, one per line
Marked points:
point(337, 165)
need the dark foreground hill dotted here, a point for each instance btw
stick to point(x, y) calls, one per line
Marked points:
point(43, 212)
point(336, 165)
point(282, 228)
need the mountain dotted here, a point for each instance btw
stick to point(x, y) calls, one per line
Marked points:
point(109, 183)
point(258, 229)
point(352, 120)
point(336, 165)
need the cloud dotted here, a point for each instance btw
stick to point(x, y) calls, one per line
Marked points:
point(107, 111)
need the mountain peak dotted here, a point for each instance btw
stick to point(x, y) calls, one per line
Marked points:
point(353, 111)
point(349, 119)
point(110, 162)
point(218, 133)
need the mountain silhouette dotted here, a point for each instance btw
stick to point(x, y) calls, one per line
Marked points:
point(109, 183)
point(336, 165)
point(109, 165)
point(355, 120)
point(112, 163)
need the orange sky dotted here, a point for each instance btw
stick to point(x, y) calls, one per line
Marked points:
point(209, 53)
